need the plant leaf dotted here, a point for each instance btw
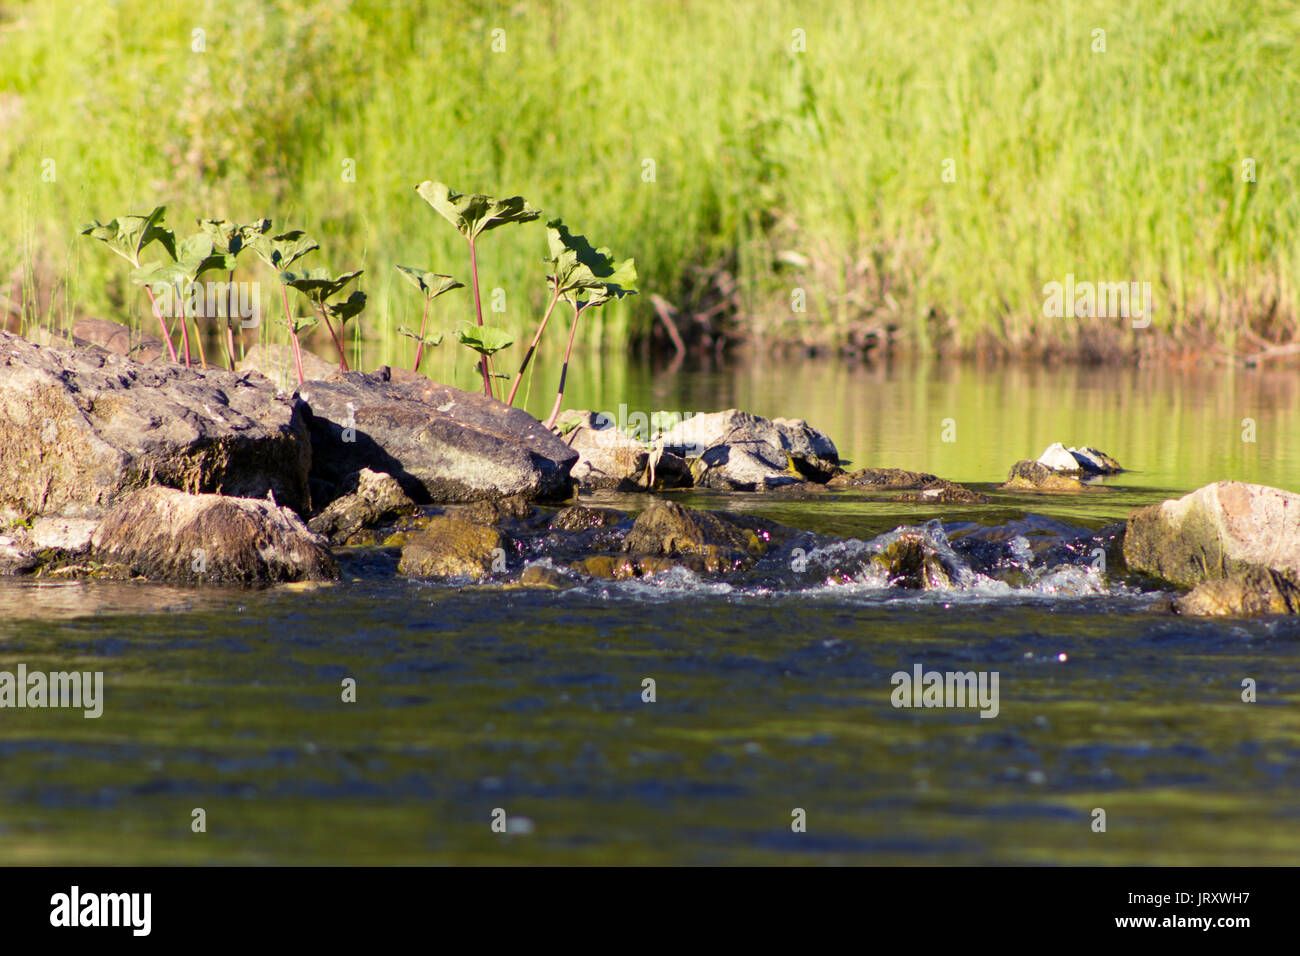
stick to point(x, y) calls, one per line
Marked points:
point(318, 284)
point(350, 307)
point(484, 339)
point(578, 269)
point(431, 341)
point(280, 252)
point(129, 235)
point(432, 284)
point(474, 214)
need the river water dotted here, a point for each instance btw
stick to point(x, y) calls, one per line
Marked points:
point(769, 699)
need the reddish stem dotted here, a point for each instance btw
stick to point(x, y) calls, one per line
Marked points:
point(485, 365)
point(419, 348)
point(564, 371)
point(533, 347)
point(293, 333)
point(153, 307)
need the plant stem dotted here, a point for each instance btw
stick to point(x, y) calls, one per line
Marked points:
point(198, 337)
point(338, 342)
point(528, 357)
point(419, 347)
point(293, 333)
point(153, 307)
point(484, 365)
point(185, 330)
point(564, 370)
point(230, 324)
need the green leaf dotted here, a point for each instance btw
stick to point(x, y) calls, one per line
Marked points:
point(301, 323)
point(484, 339)
point(580, 270)
point(432, 284)
point(431, 341)
point(280, 252)
point(318, 284)
point(230, 238)
point(475, 214)
point(350, 307)
point(129, 235)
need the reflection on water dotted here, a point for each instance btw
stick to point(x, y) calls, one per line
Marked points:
point(767, 699)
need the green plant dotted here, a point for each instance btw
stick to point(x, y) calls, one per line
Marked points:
point(319, 286)
point(431, 285)
point(127, 236)
point(473, 215)
point(230, 239)
point(585, 278)
point(191, 257)
point(280, 252)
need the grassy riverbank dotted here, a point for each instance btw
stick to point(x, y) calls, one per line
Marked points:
point(821, 170)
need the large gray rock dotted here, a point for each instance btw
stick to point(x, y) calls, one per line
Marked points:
point(440, 443)
point(739, 451)
point(79, 428)
point(1217, 532)
point(369, 497)
point(168, 535)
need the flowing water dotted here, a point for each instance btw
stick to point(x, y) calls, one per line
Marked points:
point(772, 693)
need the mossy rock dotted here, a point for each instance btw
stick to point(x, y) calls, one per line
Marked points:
point(452, 545)
point(1035, 476)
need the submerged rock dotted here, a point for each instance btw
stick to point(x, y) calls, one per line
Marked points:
point(912, 560)
point(1218, 531)
point(369, 497)
point(168, 535)
point(1035, 476)
point(1078, 461)
point(725, 542)
point(80, 428)
point(629, 567)
point(926, 487)
point(453, 545)
point(734, 450)
point(1249, 593)
point(540, 576)
point(442, 445)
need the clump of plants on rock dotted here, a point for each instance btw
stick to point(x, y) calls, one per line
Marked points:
point(578, 274)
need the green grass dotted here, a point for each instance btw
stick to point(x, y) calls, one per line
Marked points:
point(819, 170)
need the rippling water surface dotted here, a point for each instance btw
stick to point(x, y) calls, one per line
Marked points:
point(772, 695)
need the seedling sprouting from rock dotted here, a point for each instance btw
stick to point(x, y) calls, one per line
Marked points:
point(431, 285)
point(473, 215)
point(319, 286)
point(128, 236)
point(280, 252)
point(585, 278)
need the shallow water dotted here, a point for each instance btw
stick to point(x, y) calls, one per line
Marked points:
point(771, 696)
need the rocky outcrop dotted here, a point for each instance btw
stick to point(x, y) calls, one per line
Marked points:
point(610, 458)
point(276, 363)
point(1248, 593)
point(453, 545)
point(1217, 532)
point(1078, 461)
point(368, 498)
point(724, 542)
point(734, 450)
point(80, 428)
point(167, 535)
point(917, 486)
point(441, 444)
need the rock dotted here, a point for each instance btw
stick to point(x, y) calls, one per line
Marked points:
point(169, 535)
point(1078, 461)
point(725, 542)
point(120, 339)
point(926, 487)
point(1249, 593)
point(1035, 476)
point(276, 363)
point(440, 443)
point(740, 450)
point(70, 536)
point(369, 497)
point(453, 545)
point(1216, 532)
point(16, 554)
point(628, 567)
point(912, 561)
point(607, 456)
point(80, 428)
point(500, 511)
point(540, 576)
point(582, 518)
point(402, 376)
